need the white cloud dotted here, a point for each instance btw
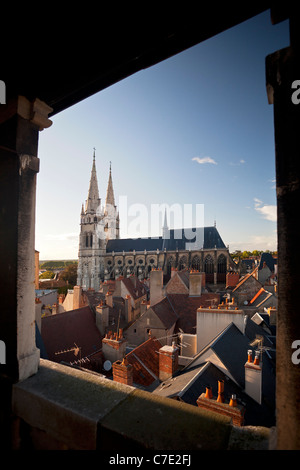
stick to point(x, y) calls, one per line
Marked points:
point(203, 160)
point(240, 162)
point(268, 211)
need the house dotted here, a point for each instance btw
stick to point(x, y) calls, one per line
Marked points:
point(262, 300)
point(246, 289)
point(182, 281)
point(229, 358)
point(170, 314)
point(72, 337)
point(144, 360)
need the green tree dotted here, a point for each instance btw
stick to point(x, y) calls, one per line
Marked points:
point(70, 274)
point(47, 275)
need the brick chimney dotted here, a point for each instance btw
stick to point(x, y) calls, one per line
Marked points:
point(109, 298)
point(156, 286)
point(232, 409)
point(123, 372)
point(61, 298)
point(168, 361)
point(195, 283)
point(77, 291)
point(253, 377)
point(232, 279)
point(114, 346)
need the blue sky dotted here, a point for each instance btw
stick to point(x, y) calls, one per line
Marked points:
point(194, 129)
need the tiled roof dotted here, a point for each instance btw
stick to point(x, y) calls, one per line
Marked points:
point(134, 286)
point(145, 362)
point(186, 307)
point(64, 331)
point(165, 312)
point(245, 278)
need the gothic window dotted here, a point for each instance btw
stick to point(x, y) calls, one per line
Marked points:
point(182, 262)
point(170, 264)
point(222, 265)
point(209, 265)
point(87, 240)
point(196, 263)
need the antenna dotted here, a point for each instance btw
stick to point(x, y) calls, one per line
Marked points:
point(258, 343)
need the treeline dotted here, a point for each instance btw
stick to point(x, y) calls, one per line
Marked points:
point(248, 254)
point(57, 264)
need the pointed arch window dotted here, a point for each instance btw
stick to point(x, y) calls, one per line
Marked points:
point(209, 265)
point(222, 264)
point(182, 262)
point(196, 263)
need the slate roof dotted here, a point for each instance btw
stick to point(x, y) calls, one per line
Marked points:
point(177, 240)
point(63, 331)
point(230, 347)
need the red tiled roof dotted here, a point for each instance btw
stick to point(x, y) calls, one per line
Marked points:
point(145, 362)
point(63, 331)
point(245, 278)
point(165, 312)
point(136, 291)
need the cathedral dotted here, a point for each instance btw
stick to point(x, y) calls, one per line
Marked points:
point(103, 255)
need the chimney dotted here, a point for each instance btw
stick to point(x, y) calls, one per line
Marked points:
point(128, 309)
point(195, 283)
point(144, 304)
point(61, 298)
point(156, 286)
point(253, 377)
point(168, 361)
point(232, 279)
point(77, 291)
point(123, 372)
point(54, 309)
point(232, 409)
point(102, 317)
point(114, 346)
point(109, 298)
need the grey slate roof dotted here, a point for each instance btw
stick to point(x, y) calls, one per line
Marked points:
point(177, 240)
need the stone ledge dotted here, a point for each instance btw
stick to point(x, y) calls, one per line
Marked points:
point(80, 410)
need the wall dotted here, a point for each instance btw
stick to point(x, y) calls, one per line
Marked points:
point(211, 322)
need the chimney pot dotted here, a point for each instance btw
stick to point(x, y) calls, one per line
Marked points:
point(233, 402)
point(249, 355)
point(208, 393)
point(256, 359)
point(220, 398)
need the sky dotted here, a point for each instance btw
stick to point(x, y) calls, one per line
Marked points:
point(195, 130)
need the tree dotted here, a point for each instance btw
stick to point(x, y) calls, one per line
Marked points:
point(47, 275)
point(69, 274)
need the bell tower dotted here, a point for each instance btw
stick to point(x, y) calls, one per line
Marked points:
point(91, 244)
point(97, 226)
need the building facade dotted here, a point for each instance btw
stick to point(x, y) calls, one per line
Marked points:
point(103, 255)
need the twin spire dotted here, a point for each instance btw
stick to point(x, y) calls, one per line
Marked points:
point(93, 201)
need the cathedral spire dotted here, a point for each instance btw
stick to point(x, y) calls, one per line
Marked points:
point(93, 200)
point(110, 198)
